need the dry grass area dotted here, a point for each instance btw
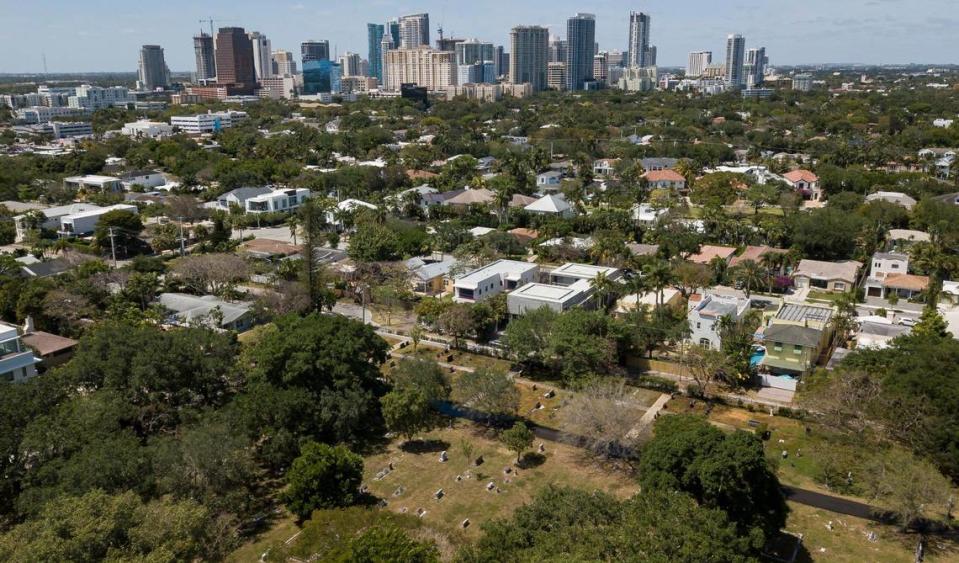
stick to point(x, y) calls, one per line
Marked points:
point(418, 475)
point(551, 412)
point(830, 537)
point(455, 357)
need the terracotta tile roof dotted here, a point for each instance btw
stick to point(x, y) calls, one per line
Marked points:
point(801, 175)
point(755, 253)
point(708, 252)
point(664, 176)
point(906, 281)
point(522, 233)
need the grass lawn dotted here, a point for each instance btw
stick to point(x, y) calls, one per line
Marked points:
point(824, 296)
point(252, 336)
point(848, 540)
point(420, 474)
point(282, 530)
point(465, 359)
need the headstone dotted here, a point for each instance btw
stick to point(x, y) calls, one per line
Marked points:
point(364, 489)
point(535, 387)
point(443, 457)
point(404, 510)
point(420, 512)
point(490, 486)
point(399, 491)
point(542, 448)
point(785, 454)
point(391, 466)
point(507, 470)
point(465, 523)
point(459, 478)
point(549, 394)
point(479, 461)
point(439, 494)
point(539, 405)
point(382, 503)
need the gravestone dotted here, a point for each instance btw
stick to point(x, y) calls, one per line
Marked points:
point(490, 486)
point(549, 394)
point(542, 448)
point(439, 494)
point(443, 457)
point(479, 461)
point(465, 523)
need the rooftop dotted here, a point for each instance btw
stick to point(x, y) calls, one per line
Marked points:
point(584, 271)
point(792, 312)
point(791, 334)
point(828, 270)
point(708, 252)
point(506, 269)
point(91, 179)
point(46, 344)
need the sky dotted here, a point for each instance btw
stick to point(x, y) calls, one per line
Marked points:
point(101, 35)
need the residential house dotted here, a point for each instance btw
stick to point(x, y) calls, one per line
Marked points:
point(348, 207)
point(805, 182)
point(143, 178)
point(236, 199)
point(707, 253)
point(794, 341)
point(665, 180)
point(493, 279)
point(208, 310)
point(605, 166)
point(429, 200)
point(879, 335)
point(828, 276)
point(551, 205)
point(52, 350)
point(278, 201)
point(706, 312)
point(24, 224)
point(93, 184)
point(550, 180)
point(890, 275)
point(414, 196)
point(85, 222)
point(902, 239)
point(523, 235)
point(940, 159)
point(658, 163)
point(470, 196)
point(896, 198)
point(430, 275)
point(638, 249)
point(570, 285)
point(17, 362)
point(519, 201)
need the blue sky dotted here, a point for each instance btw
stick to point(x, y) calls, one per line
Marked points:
point(101, 35)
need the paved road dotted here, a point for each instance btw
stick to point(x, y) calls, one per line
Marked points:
point(832, 504)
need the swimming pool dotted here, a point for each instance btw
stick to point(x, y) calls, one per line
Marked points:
point(757, 357)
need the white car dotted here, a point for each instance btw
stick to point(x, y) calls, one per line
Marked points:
point(908, 322)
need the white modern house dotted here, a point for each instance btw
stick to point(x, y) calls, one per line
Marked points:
point(85, 222)
point(277, 201)
point(492, 279)
point(236, 198)
point(570, 285)
point(51, 218)
point(94, 183)
point(705, 316)
point(645, 215)
point(144, 178)
point(347, 207)
point(208, 310)
point(17, 362)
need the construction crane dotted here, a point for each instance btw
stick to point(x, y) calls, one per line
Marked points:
point(210, 20)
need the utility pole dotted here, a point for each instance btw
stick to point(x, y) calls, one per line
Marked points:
point(113, 248)
point(182, 244)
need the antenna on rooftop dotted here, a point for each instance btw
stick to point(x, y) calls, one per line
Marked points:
point(44, 56)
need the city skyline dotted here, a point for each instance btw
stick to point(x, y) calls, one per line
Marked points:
point(859, 31)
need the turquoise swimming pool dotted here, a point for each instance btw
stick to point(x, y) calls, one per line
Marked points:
point(758, 354)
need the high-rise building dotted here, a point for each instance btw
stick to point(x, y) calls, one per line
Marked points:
point(350, 64)
point(321, 77)
point(581, 36)
point(374, 32)
point(616, 58)
point(262, 55)
point(651, 55)
point(639, 24)
point(735, 59)
point(601, 67)
point(501, 60)
point(386, 45)
point(414, 31)
point(469, 73)
point(153, 72)
point(802, 82)
point(557, 49)
point(425, 67)
point(205, 57)
point(234, 60)
point(393, 30)
point(283, 63)
point(448, 44)
point(755, 67)
point(473, 51)
point(556, 75)
point(529, 55)
point(314, 51)
point(698, 61)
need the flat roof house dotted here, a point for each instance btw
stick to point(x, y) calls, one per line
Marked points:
point(570, 285)
point(896, 198)
point(94, 183)
point(278, 201)
point(51, 218)
point(85, 222)
point(209, 310)
point(492, 279)
point(829, 276)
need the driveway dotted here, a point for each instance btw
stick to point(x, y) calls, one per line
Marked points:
point(280, 233)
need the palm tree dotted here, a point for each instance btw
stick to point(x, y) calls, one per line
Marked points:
point(502, 196)
point(293, 222)
point(749, 274)
point(773, 262)
point(603, 288)
point(659, 276)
